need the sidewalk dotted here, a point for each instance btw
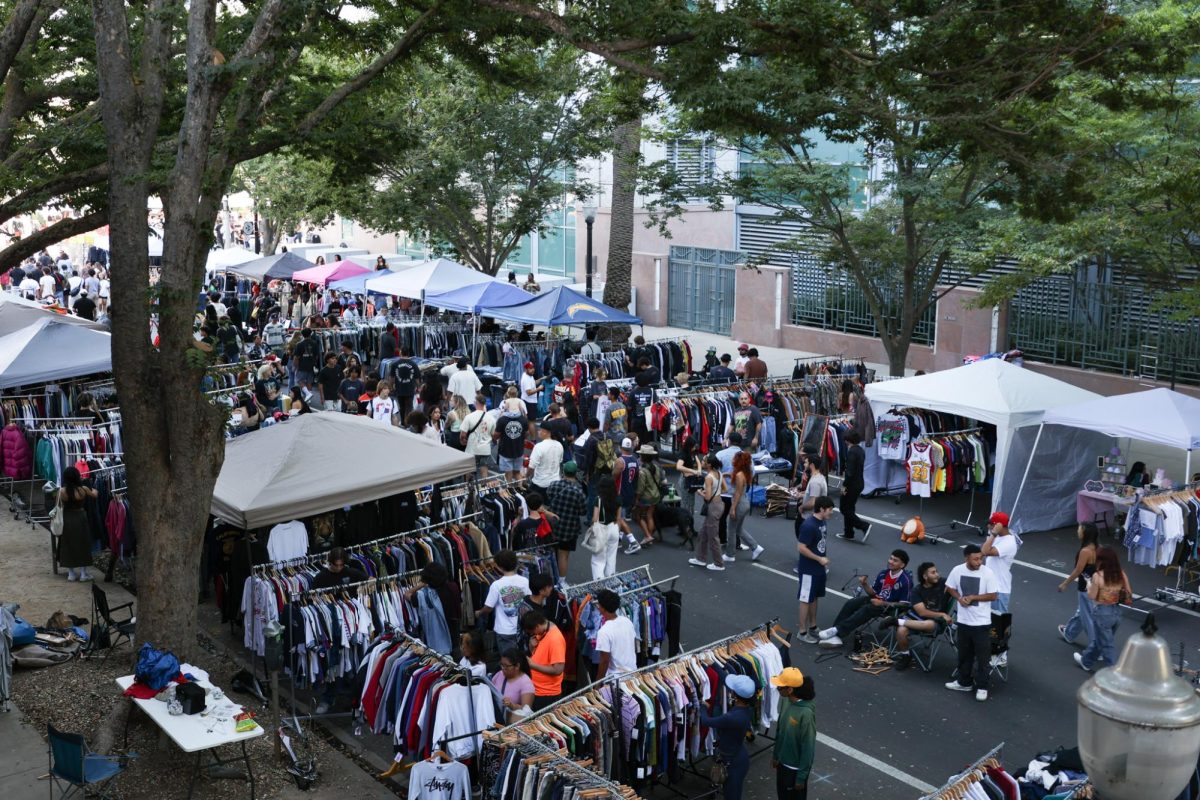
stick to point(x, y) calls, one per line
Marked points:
point(22, 759)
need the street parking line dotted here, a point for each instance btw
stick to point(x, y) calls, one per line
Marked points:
point(793, 577)
point(894, 526)
point(870, 761)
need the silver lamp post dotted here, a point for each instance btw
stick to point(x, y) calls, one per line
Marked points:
point(1139, 724)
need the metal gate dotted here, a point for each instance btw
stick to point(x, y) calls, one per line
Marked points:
point(700, 287)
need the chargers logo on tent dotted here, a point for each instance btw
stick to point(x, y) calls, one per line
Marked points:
point(575, 308)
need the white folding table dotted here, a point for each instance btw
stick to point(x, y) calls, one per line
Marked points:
point(200, 733)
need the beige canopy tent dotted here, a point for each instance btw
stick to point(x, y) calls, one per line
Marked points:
point(315, 463)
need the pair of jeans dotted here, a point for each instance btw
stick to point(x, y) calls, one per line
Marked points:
point(785, 785)
point(1081, 622)
point(974, 655)
point(737, 767)
point(767, 439)
point(855, 613)
point(708, 543)
point(849, 509)
point(1103, 645)
point(604, 563)
point(738, 534)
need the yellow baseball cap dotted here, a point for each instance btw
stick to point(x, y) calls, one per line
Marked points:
point(790, 677)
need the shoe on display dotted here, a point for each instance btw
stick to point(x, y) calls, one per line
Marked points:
point(758, 551)
point(715, 568)
point(695, 562)
point(634, 547)
point(981, 695)
point(831, 641)
point(955, 686)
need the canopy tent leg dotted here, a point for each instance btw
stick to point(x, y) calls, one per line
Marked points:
point(1025, 476)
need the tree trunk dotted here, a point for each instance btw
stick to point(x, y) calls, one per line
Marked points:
point(618, 277)
point(272, 233)
point(897, 352)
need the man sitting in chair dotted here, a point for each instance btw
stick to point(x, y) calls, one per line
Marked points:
point(929, 613)
point(892, 586)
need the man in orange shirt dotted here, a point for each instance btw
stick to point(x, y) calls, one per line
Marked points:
point(548, 659)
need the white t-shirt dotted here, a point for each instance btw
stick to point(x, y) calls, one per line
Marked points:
point(967, 582)
point(1001, 565)
point(448, 781)
point(739, 364)
point(504, 597)
point(383, 409)
point(616, 637)
point(105, 283)
point(464, 383)
point(28, 288)
point(546, 462)
point(528, 388)
point(479, 440)
point(287, 540)
point(591, 349)
point(46, 282)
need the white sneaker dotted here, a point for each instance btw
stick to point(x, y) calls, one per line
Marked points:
point(695, 562)
point(71, 576)
point(715, 568)
point(830, 641)
point(758, 551)
point(322, 708)
point(981, 695)
point(955, 686)
point(743, 547)
point(85, 576)
point(828, 633)
point(632, 548)
point(728, 559)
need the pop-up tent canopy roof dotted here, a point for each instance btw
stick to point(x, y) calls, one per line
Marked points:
point(268, 477)
point(1062, 455)
point(562, 306)
point(471, 299)
point(992, 391)
point(328, 273)
point(429, 277)
point(223, 258)
point(283, 265)
point(17, 313)
point(51, 350)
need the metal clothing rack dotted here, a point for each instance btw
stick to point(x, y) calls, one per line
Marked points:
point(584, 777)
point(578, 589)
point(965, 776)
point(635, 589)
point(450, 665)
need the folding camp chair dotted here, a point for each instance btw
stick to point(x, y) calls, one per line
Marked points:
point(74, 769)
point(110, 626)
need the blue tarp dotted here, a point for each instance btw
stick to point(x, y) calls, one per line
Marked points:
point(471, 298)
point(561, 306)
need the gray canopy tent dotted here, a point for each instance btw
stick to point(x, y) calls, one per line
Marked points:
point(17, 313)
point(269, 476)
point(52, 350)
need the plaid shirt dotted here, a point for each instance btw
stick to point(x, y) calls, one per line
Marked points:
point(566, 498)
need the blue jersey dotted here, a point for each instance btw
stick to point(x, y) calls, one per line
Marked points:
point(627, 480)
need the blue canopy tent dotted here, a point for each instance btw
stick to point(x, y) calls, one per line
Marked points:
point(561, 306)
point(470, 299)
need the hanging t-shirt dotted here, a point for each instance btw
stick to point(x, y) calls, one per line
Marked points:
point(1001, 565)
point(287, 540)
point(512, 428)
point(971, 582)
point(617, 638)
point(920, 470)
point(439, 781)
point(504, 597)
point(893, 434)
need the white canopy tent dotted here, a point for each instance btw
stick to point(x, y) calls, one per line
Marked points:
point(1070, 437)
point(991, 391)
point(17, 313)
point(50, 350)
point(224, 257)
point(267, 477)
point(439, 275)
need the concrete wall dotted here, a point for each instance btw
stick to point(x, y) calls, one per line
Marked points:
point(1105, 383)
point(701, 227)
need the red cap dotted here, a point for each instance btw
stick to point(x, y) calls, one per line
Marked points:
point(999, 517)
point(528, 365)
point(743, 346)
point(269, 357)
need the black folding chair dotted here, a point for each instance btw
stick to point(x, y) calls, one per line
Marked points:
point(110, 626)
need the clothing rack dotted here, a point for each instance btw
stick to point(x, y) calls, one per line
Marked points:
point(604, 583)
point(819, 359)
point(230, 389)
point(586, 779)
point(964, 777)
point(671, 580)
point(450, 665)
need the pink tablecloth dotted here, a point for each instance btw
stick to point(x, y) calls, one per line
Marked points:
point(1089, 504)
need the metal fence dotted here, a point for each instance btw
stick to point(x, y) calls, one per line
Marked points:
point(700, 288)
point(829, 299)
point(1105, 327)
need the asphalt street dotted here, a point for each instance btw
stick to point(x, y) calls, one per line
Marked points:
point(898, 734)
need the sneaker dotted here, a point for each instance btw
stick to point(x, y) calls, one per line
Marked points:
point(632, 548)
point(71, 576)
point(847, 536)
point(809, 638)
point(758, 551)
point(743, 547)
point(903, 661)
point(981, 695)
point(1062, 631)
point(828, 633)
point(728, 559)
point(955, 686)
point(831, 641)
point(322, 708)
point(1079, 661)
point(715, 568)
point(87, 576)
point(695, 562)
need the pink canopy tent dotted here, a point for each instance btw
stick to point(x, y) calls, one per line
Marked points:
point(327, 273)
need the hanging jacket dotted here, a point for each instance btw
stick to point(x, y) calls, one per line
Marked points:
point(18, 460)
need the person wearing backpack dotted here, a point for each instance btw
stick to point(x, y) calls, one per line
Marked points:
point(475, 435)
point(648, 492)
point(306, 354)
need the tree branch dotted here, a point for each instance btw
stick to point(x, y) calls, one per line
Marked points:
point(36, 196)
point(63, 229)
point(12, 38)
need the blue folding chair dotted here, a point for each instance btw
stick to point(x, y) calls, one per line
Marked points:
point(74, 769)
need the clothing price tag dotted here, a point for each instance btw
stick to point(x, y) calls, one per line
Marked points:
point(641, 773)
point(656, 651)
point(633, 734)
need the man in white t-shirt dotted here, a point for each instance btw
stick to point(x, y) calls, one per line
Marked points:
point(545, 461)
point(973, 587)
point(463, 381)
point(998, 553)
point(616, 642)
point(504, 601)
point(478, 427)
point(28, 288)
point(47, 288)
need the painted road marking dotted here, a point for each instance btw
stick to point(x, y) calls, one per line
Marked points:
point(894, 526)
point(794, 577)
point(887, 769)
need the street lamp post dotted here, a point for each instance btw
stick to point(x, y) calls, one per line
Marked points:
point(1139, 724)
point(589, 217)
point(257, 244)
